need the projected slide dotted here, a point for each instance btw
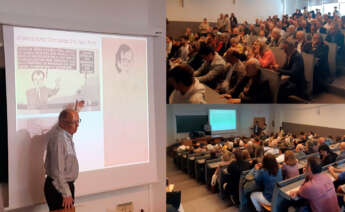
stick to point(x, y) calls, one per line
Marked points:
point(222, 120)
point(53, 69)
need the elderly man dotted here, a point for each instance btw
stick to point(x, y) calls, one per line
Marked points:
point(61, 162)
point(300, 151)
point(293, 67)
point(275, 38)
point(301, 41)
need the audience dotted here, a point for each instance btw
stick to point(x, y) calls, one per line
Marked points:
point(249, 40)
point(241, 153)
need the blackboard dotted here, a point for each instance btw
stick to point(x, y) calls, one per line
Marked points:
point(191, 123)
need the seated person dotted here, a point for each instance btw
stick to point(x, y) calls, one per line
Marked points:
point(194, 58)
point(301, 41)
point(212, 71)
point(321, 70)
point(236, 73)
point(317, 188)
point(227, 158)
point(312, 146)
point(265, 55)
point(187, 89)
point(234, 170)
point(274, 150)
point(236, 45)
point(268, 175)
point(341, 156)
point(275, 39)
point(293, 67)
point(290, 166)
point(300, 151)
point(251, 89)
point(327, 155)
point(262, 38)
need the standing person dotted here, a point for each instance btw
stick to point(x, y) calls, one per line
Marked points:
point(256, 128)
point(61, 162)
point(204, 27)
point(233, 20)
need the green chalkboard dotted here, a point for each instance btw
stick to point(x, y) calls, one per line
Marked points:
point(191, 123)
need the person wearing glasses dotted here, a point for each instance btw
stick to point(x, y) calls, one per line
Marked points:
point(61, 162)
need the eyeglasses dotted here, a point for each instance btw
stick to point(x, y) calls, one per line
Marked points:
point(73, 122)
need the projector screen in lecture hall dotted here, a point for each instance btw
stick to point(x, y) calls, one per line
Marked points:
point(222, 121)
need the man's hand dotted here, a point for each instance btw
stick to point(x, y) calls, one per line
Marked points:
point(67, 202)
point(293, 194)
point(331, 169)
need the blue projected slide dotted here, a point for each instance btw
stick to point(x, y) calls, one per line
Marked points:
point(221, 120)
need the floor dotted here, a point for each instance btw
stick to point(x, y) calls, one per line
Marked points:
point(195, 197)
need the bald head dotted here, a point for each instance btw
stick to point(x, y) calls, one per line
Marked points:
point(69, 120)
point(299, 148)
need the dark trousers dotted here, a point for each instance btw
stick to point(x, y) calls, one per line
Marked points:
point(54, 197)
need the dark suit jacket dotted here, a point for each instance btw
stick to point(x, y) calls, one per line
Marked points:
point(294, 67)
point(321, 55)
point(337, 38)
point(258, 92)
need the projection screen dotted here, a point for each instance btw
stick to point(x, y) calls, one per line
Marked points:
point(222, 121)
point(47, 71)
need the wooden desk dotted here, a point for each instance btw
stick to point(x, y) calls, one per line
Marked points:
point(212, 97)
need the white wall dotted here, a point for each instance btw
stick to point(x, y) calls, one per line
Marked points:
point(133, 17)
point(332, 116)
point(196, 10)
point(245, 116)
point(292, 5)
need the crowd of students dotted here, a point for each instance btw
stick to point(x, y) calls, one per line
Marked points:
point(229, 56)
point(273, 158)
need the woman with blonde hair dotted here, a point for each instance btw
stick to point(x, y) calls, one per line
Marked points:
point(265, 55)
point(290, 166)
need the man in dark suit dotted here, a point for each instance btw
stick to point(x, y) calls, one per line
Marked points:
point(301, 41)
point(294, 68)
point(37, 97)
point(321, 70)
point(252, 89)
point(335, 36)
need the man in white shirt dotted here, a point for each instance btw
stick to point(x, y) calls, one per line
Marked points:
point(61, 164)
point(187, 89)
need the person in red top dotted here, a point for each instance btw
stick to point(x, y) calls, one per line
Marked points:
point(265, 55)
point(317, 188)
